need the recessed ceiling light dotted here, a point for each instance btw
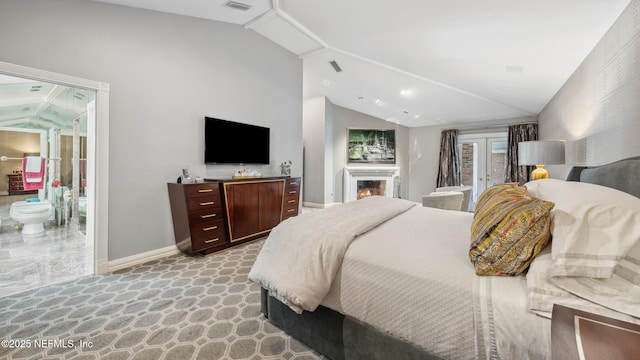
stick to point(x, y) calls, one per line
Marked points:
point(516, 69)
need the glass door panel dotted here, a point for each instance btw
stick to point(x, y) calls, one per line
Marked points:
point(482, 161)
point(498, 161)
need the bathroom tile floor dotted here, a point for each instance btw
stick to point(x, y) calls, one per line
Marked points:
point(32, 261)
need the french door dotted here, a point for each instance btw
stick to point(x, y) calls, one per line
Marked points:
point(482, 161)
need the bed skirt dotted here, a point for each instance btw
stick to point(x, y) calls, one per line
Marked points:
point(336, 336)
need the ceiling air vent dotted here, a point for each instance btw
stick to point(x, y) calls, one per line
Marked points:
point(335, 65)
point(237, 5)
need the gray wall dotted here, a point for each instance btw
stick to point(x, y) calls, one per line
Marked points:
point(166, 73)
point(325, 143)
point(598, 109)
point(317, 149)
point(424, 154)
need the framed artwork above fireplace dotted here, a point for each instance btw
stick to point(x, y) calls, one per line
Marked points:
point(371, 146)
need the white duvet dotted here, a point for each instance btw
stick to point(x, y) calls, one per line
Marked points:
point(301, 256)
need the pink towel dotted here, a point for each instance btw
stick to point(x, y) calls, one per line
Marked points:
point(33, 180)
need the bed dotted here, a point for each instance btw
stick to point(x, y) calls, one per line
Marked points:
point(400, 285)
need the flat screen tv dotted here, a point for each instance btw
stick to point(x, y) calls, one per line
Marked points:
point(229, 142)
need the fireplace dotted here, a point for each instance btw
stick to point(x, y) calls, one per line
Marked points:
point(371, 188)
point(360, 182)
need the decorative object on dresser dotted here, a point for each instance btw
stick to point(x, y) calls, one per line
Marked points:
point(217, 214)
point(285, 168)
point(16, 185)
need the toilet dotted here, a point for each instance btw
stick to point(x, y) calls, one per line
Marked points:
point(32, 215)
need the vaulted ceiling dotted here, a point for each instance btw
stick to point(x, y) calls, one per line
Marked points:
point(421, 62)
point(31, 104)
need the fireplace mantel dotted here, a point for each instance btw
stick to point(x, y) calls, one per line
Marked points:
point(352, 174)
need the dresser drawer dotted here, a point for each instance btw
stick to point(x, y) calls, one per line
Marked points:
point(207, 234)
point(292, 182)
point(291, 201)
point(292, 191)
point(197, 217)
point(200, 190)
point(204, 203)
point(289, 211)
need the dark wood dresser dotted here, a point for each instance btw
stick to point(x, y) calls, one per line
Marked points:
point(216, 214)
point(198, 217)
point(16, 186)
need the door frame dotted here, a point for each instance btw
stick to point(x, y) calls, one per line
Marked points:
point(97, 155)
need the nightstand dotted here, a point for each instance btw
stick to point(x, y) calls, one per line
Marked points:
point(581, 335)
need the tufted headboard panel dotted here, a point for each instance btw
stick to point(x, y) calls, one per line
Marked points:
point(623, 175)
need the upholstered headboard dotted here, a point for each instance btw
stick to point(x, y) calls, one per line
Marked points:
point(623, 175)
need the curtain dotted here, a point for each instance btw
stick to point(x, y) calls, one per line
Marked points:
point(517, 133)
point(449, 168)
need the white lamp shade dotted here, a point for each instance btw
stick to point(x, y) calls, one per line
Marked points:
point(547, 152)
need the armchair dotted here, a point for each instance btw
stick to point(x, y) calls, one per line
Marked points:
point(466, 190)
point(447, 200)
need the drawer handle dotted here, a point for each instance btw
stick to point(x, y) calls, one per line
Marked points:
point(291, 210)
point(207, 216)
point(292, 192)
point(204, 190)
point(211, 240)
point(209, 228)
point(291, 201)
point(207, 203)
point(293, 183)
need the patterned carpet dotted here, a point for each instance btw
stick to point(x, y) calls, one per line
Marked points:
point(180, 307)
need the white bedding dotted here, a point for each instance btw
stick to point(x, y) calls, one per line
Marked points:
point(412, 278)
point(302, 255)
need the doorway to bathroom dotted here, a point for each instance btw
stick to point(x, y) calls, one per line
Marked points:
point(43, 183)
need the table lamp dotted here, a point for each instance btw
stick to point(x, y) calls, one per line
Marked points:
point(541, 153)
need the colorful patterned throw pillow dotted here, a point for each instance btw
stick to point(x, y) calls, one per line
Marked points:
point(510, 227)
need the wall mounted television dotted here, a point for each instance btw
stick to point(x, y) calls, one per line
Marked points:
point(229, 142)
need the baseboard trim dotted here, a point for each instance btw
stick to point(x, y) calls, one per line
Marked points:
point(142, 258)
point(102, 267)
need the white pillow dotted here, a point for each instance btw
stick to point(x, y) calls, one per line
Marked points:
point(593, 227)
point(543, 293)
